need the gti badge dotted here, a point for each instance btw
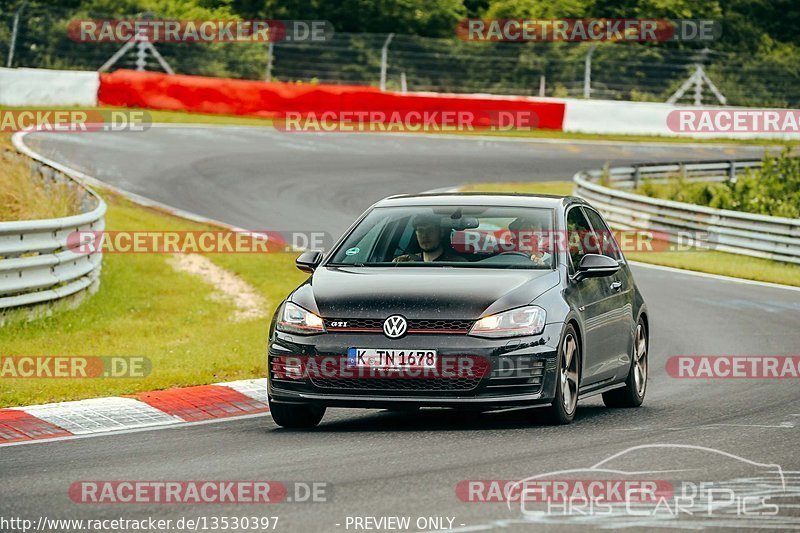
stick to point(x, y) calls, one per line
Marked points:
point(395, 326)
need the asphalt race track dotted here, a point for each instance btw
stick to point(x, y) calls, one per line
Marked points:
point(397, 464)
point(263, 179)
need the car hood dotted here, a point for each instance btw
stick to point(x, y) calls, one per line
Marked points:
point(420, 292)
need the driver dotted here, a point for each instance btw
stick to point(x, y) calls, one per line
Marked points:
point(431, 238)
point(529, 237)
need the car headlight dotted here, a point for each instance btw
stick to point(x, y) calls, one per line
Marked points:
point(295, 319)
point(517, 322)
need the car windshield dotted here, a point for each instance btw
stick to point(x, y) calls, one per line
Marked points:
point(452, 236)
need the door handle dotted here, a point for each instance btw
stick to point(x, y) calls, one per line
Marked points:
point(617, 285)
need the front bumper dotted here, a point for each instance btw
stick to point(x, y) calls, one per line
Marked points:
point(510, 372)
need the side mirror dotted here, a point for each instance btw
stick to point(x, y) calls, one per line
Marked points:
point(309, 260)
point(596, 266)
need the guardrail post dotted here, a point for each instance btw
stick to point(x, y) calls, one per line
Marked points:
point(637, 174)
point(732, 170)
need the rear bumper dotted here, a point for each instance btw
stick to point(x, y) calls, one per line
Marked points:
point(518, 372)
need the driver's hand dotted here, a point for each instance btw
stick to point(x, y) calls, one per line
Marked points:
point(538, 258)
point(402, 259)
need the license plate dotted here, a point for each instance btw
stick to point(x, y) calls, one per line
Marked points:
point(400, 359)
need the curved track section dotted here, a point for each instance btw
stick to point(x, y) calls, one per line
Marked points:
point(260, 178)
point(393, 464)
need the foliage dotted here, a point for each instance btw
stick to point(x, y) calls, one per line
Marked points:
point(756, 61)
point(773, 190)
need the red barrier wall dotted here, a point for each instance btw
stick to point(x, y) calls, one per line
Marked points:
point(129, 88)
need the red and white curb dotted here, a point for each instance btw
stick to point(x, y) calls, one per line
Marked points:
point(19, 425)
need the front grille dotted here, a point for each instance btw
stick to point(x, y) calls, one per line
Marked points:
point(439, 324)
point(453, 373)
point(415, 325)
point(397, 384)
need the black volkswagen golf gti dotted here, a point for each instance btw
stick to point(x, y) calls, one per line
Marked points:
point(470, 301)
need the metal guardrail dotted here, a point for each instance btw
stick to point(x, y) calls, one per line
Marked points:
point(37, 263)
point(767, 237)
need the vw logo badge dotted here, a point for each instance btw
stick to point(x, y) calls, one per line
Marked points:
point(395, 326)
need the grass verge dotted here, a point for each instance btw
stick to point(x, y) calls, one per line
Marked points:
point(146, 308)
point(27, 197)
point(709, 261)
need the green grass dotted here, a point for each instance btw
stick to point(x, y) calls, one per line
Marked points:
point(563, 188)
point(146, 308)
point(182, 117)
point(576, 136)
point(724, 264)
point(712, 262)
point(24, 196)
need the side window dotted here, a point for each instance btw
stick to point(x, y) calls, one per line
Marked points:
point(578, 236)
point(607, 244)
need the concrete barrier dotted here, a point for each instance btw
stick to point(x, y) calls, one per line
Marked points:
point(644, 118)
point(42, 87)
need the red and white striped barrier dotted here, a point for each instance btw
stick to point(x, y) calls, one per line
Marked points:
point(151, 90)
point(198, 94)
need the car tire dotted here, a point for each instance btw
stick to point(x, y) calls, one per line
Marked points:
point(632, 394)
point(294, 416)
point(565, 403)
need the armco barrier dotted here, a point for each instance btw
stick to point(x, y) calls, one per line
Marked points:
point(749, 234)
point(198, 94)
point(36, 266)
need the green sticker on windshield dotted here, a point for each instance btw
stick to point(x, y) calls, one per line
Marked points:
point(352, 251)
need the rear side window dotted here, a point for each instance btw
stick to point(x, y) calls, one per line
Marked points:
point(605, 239)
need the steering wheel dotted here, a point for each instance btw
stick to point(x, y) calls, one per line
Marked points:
point(523, 254)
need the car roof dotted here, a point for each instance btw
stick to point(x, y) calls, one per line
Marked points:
point(547, 201)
